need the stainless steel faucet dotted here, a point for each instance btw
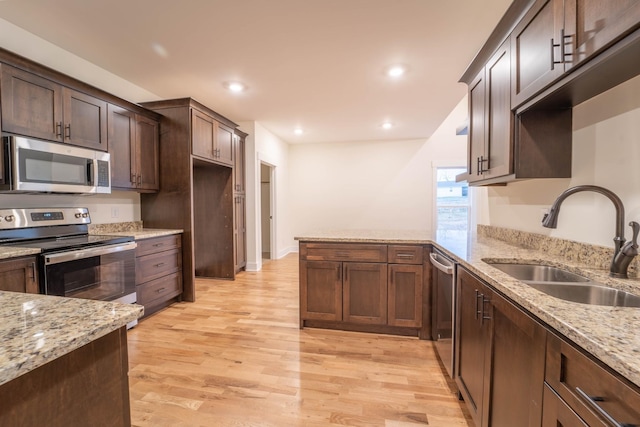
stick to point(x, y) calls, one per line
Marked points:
point(623, 254)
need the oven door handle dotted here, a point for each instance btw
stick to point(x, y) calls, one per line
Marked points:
point(88, 253)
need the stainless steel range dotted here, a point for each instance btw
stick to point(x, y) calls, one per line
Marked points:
point(72, 262)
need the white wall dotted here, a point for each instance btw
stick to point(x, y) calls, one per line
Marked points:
point(263, 146)
point(372, 184)
point(124, 205)
point(606, 152)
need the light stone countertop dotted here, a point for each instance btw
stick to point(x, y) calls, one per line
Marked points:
point(39, 328)
point(146, 233)
point(14, 252)
point(611, 334)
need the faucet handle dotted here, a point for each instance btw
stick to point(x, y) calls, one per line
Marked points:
point(636, 230)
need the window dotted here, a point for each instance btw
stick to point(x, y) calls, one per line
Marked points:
point(452, 204)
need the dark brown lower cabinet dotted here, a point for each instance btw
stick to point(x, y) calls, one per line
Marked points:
point(596, 396)
point(361, 287)
point(19, 275)
point(88, 386)
point(500, 359)
point(364, 293)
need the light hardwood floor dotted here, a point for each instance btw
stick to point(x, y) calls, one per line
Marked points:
point(237, 357)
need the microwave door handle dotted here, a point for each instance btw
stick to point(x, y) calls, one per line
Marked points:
point(91, 171)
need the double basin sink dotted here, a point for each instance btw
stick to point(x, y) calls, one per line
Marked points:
point(566, 285)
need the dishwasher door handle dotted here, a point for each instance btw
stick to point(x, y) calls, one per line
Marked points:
point(447, 269)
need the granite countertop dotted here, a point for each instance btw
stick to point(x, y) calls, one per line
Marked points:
point(609, 333)
point(39, 328)
point(138, 234)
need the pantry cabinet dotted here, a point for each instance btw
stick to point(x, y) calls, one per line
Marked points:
point(37, 107)
point(19, 275)
point(134, 149)
point(352, 284)
point(239, 195)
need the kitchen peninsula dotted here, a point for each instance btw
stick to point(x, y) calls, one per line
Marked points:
point(519, 334)
point(64, 360)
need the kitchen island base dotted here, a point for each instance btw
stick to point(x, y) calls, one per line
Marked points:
point(88, 386)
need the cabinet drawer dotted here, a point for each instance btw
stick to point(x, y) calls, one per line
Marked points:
point(405, 254)
point(590, 390)
point(343, 252)
point(160, 289)
point(158, 244)
point(152, 266)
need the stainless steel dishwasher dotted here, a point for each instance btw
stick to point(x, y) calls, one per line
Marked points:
point(443, 308)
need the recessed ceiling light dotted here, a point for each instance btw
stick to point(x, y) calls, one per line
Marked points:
point(387, 125)
point(298, 131)
point(396, 71)
point(236, 87)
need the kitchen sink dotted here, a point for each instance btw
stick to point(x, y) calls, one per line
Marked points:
point(566, 285)
point(539, 273)
point(588, 294)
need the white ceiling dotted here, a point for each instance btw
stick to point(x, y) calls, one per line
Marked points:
point(318, 64)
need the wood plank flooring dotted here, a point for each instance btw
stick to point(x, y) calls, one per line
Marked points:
point(236, 357)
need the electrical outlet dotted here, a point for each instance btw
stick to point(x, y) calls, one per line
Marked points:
point(114, 212)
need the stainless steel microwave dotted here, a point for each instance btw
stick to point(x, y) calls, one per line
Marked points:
point(30, 165)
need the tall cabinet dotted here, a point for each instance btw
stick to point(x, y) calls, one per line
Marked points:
point(198, 153)
point(239, 199)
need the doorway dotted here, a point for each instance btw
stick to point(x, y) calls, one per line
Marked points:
point(267, 174)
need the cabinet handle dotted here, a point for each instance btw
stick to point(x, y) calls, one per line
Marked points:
point(139, 179)
point(160, 290)
point(67, 131)
point(159, 264)
point(478, 295)
point(592, 402)
point(340, 274)
point(405, 256)
point(484, 316)
point(563, 49)
point(157, 245)
point(33, 271)
point(346, 273)
point(58, 129)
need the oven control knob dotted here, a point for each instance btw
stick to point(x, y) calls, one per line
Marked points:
point(85, 215)
point(78, 215)
point(8, 218)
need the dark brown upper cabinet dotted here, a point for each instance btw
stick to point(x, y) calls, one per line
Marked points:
point(37, 107)
point(491, 120)
point(592, 25)
point(210, 139)
point(134, 145)
point(536, 56)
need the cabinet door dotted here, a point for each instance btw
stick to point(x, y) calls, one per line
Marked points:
point(365, 293)
point(121, 138)
point(320, 290)
point(147, 153)
point(238, 165)
point(19, 275)
point(516, 372)
point(477, 105)
point(405, 295)
point(471, 339)
point(31, 105)
point(591, 25)
point(85, 120)
point(240, 232)
point(224, 144)
point(203, 130)
point(498, 116)
point(536, 62)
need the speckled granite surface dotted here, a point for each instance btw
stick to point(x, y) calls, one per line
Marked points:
point(133, 228)
point(11, 252)
point(609, 333)
point(38, 328)
point(369, 236)
point(146, 233)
